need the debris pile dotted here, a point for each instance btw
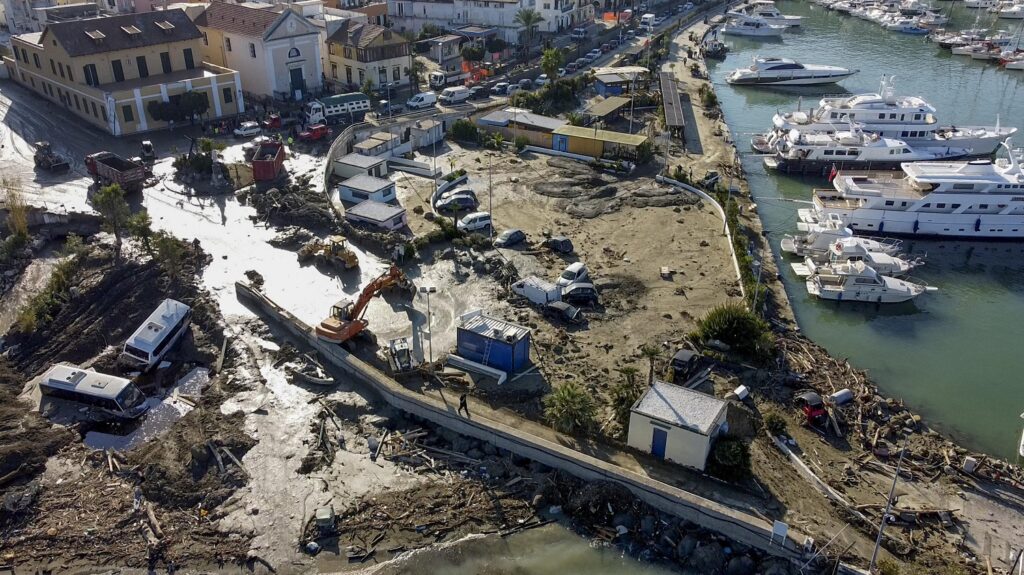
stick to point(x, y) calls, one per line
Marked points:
point(293, 204)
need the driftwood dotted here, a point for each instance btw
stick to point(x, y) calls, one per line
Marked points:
point(235, 460)
point(216, 456)
point(153, 523)
point(21, 470)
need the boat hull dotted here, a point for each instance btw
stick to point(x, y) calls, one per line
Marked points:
point(805, 81)
point(824, 167)
point(866, 295)
point(923, 224)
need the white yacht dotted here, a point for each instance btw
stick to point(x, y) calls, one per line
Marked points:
point(858, 282)
point(772, 71)
point(850, 250)
point(766, 10)
point(1015, 64)
point(978, 199)
point(819, 152)
point(820, 237)
point(909, 118)
point(981, 3)
point(1011, 12)
point(742, 25)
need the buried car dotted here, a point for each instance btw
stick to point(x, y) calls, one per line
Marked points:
point(509, 238)
point(574, 273)
point(563, 311)
point(580, 293)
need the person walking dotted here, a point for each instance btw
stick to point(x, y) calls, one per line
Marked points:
point(463, 405)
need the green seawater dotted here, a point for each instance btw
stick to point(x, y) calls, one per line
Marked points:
point(952, 355)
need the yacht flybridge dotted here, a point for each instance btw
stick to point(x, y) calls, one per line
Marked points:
point(976, 199)
point(908, 118)
point(739, 24)
point(766, 10)
point(851, 250)
point(771, 71)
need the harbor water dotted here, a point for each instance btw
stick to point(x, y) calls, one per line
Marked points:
point(951, 355)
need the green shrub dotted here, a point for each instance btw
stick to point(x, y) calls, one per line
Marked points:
point(570, 408)
point(455, 175)
point(624, 393)
point(521, 142)
point(775, 424)
point(464, 131)
point(888, 567)
point(738, 327)
point(730, 459)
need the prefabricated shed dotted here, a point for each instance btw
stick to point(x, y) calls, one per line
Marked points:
point(677, 424)
point(493, 342)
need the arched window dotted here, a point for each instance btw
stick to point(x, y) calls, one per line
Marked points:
point(293, 53)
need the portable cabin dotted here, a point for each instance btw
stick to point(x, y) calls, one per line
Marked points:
point(493, 342)
point(157, 335)
point(676, 424)
point(362, 187)
point(358, 164)
point(378, 214)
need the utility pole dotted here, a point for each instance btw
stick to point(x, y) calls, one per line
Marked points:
point(888, 507)
point(490, 193)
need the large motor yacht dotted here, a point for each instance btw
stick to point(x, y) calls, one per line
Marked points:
point(740, 24)
point(770, 71)
point(909, 118)
point(766, 10)
point(822, 153)
point(977, 199)
point(858, 282)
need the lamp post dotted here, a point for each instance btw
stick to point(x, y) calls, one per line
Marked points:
point(430, 329)
point(490, 194)
point(888, 507)
point(387, 85)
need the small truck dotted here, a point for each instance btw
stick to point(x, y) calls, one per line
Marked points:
point(108, 168)
point(315, 133)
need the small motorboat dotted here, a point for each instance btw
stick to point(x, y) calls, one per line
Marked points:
point(308, 372)
point(859, 282)
point(821, 237)
point(850, 250)
point(742, 25)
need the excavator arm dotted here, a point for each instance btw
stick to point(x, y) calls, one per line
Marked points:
point(392, 277)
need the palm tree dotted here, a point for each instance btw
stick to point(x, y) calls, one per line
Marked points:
point(651, 352)
point(550, 62)
point(497, 141)
point(529, 19)
point(574, 118)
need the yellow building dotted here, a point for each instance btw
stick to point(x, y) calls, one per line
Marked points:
point(357, 52)
point(596, 143)
point(116, 72)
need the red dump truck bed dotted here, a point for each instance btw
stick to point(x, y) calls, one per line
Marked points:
point(268, 161)
point(108, 168)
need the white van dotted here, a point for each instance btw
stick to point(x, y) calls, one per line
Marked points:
point(421, 100)
point(579, 33)
point(537, 290)
point(454, 95)
point(647, 21)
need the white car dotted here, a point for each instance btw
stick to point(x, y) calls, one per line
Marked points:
point(561, 72)
point(541, 80)
point(247, 129)
point(574, 273)
point(474, 222)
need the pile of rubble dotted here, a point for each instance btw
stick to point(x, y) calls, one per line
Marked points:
point(295, 203)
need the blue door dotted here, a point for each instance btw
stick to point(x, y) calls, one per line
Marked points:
point(658, 443)
point(561, 143)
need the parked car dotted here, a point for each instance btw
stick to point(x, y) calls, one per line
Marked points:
point(457, 203)
point(579, 33)
point(422, 100)
point(509, 238)
point(659, 20)
point(581, 63)
point(474, 222)
point(630, 33)
point(594, 54)
point(478, 93)
point(643, 7)
point(526, 84)
point(541, 80)
point(614, 43)
point(580, 294)
point(560, 244)
point(574, 273)
point(500, 89)
point(562, 72)
point(606, 47)
point(570, 67)
point(563, 311)
point(688, 6)
point(248, 129)
point(457, 192)
point(389, 108)
point(512, 89)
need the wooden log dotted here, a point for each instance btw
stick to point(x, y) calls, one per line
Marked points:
point(235, 460)
point(153, 523)
point(14, 474)
point(216, 456)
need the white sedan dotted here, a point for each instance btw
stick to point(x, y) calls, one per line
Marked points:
point(541, 80)
point(247, 129)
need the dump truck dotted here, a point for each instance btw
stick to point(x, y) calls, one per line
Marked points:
point(268, 161)
point(334, 251)
point(337, 109)
point(108, 168)
point(46, 159)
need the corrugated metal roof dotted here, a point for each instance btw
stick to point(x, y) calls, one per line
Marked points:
point(607, 106)
point(680, 406)
point(602, 135)
point(521, 117)
point(495, 328)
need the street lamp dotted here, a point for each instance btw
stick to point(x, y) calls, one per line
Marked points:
point(391, 107)
point(430, 329)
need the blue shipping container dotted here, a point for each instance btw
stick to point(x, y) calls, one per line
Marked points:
point(494, 343)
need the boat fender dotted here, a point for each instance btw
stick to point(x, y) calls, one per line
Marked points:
point(917, 225)
point(977, 225)
point(881, 226)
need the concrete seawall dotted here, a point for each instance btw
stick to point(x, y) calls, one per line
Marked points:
point(732, 523)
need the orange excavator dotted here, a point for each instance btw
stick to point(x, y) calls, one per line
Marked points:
point(346, 320)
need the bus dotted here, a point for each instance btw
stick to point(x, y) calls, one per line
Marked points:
point(111, 395)
point(157, 335)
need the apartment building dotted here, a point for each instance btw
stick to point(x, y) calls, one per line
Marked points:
point(124, 74)
point(357, 52)
point(277, 53)
point(412, 15)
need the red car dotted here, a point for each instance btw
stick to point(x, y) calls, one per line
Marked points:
point(314, 133)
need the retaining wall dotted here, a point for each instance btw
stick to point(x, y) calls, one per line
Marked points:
point(734, 524)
